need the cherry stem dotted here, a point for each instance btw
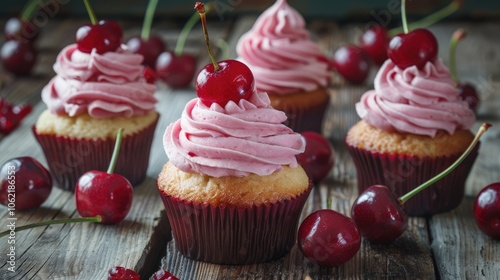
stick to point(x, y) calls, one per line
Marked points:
point(181, 41)
point(28, 10)
point(457, 36)
point(201, 10)
point(403, 16)
point(93, 18)
point(329, 203)
point(116, 151)
point(96, 219)
point(438, 177)
point(430, 19)
point(148, 19)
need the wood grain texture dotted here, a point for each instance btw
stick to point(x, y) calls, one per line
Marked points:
point(446, 246)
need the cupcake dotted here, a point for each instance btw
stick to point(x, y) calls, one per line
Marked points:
point(414, 125)
point(232, 188)
point(287, 65)
point(91, 96)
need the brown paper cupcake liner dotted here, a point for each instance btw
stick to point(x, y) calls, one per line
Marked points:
point(403, 173)
point(232, 235)
point(69, 158)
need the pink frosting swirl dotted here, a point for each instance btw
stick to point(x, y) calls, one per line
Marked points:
point(234, 140)
point(102, 85)
point(415, 101)
point(280, 54)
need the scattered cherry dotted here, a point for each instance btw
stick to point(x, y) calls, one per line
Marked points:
point(379, 214)
point(318, 157)
point(104, 194)
point(24, 183)
point(149, 74)
point(375, 41)
point(101, 36)
point(177, 71)
point(17, 28)
point(164, 275)
point(352, 63)
point(487, 210)
point(328, 237)
point(224, 81)
point(12, 115)
point(18, 56)
point(122, 273)
point(468, 92)
point(150, 48)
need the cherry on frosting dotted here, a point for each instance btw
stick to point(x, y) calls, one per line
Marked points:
point(224, 81)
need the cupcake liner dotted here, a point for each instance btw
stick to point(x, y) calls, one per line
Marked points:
point(233, 235)
point(69, 158)
point(403, 173)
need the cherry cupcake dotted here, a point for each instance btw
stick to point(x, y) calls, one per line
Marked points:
point(93, 95)
point(414, 125)
point(232, 189)
point(287, 65)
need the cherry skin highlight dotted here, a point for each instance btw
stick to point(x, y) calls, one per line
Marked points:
point(318, 156)
point(176, 71)
point(100, 37)
point(487, 210)
point(31, 180)
point(352, 63)
point(414, 48)
point(379, 214)
point(375, 41)
point(328, 238)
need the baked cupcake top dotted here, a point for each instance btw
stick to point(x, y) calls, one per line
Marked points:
point(280, 53)
point(100, 85)
point(238, 139)
point(415, 101)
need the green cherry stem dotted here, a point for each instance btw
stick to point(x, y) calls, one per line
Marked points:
point(181, 41)
point(201, 10)
point(403, 16)
point(438, 177)
point(29, 10)
point(90, 11)
point(148, 19)
point(96, 219)
point(116, 151)
point(430, 19)
point(457, 36)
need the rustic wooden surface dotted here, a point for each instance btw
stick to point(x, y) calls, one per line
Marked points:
point(445, 246)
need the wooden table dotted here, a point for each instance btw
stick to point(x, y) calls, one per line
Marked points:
point(445, 246)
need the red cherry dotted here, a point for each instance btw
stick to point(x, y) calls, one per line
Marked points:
point(224, 81)
point(352, 63)
point(413, 48)
point(487, 210)
point(97, 36)
point(379, 213)
point(469, 94)
point(122, 273)
point(318, 157)
point(24, 183)
point(374, 41)
point(114, 27)
point(164, 275)
point(11, 116)
point(328, 238)
point(149, 48)
point(149, 74)
point(176, 71)
point(18, 57)
point(104, 194)
point(18, 29)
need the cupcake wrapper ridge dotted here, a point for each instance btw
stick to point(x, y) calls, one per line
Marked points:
point(68, 158)
point(232, 235)
point(403, 173)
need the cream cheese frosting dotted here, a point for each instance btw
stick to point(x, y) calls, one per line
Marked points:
point(415, 101)
point(102, 85)
point(234, 140)
point(280, 53)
